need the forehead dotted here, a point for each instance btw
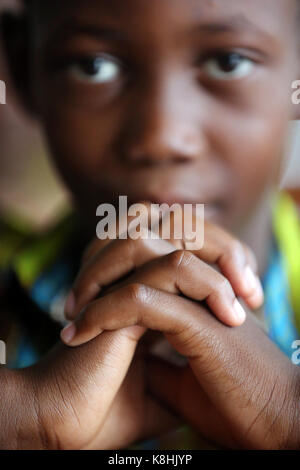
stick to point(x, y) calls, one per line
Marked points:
point(143, 17)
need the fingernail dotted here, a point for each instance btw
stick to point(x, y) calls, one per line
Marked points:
point(70, 304)
point(250, 278)
point(259, 291)
point(254, 286)
point(257, 298)
point(239, 311)
point(253, 281)
point(68, 333)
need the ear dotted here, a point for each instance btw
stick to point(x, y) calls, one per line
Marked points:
point(15, 38)
point(295, 98)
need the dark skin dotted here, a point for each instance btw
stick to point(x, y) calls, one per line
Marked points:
point(173, 114)
point(164, 91)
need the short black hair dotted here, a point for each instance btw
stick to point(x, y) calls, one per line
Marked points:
point(30, 4)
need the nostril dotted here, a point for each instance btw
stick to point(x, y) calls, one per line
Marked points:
point(181, 160)
point(146, 160)
point(164, 147)
point(140, 158)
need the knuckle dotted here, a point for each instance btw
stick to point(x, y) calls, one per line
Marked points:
point(140, 243)
point(235, 249)
point(84, 285)
point(137, 293)
point(180, 258)
point(223, 286)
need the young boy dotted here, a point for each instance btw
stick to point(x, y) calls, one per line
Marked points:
point(162, 101)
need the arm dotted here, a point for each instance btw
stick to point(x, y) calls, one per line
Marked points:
point(19, 426)
point(239, 390)
point(243, 393)
point(75, 399)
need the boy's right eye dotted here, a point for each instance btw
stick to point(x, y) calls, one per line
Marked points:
point(96, 70)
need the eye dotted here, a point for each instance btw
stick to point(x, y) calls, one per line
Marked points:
point(102, 69)
point(228, 66)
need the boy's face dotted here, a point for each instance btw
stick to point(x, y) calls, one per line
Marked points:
point(167, 100)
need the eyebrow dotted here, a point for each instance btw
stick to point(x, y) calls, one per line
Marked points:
point(66, 30)
point(231, 24)
point(238, 23)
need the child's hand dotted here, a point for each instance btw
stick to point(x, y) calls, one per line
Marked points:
point(92, 397)
point(158, 264)
point(239, 390)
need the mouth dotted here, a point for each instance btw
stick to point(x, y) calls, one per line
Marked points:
point(213, 210)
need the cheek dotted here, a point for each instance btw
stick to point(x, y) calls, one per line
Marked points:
point(254, 148)
point(261, 156)
point(81, 142)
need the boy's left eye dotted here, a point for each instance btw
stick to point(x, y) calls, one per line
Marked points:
point(228, 66)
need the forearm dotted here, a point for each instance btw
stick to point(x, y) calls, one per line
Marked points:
point(273, 415)
point(19, 427)
point(292, 414)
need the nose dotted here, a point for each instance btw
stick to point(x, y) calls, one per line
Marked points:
point(162, 127)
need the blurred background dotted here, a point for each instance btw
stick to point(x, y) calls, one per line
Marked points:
point(29, 187)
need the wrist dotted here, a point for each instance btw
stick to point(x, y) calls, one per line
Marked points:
point(283, 415)
point(20, 423)
point(292, 441)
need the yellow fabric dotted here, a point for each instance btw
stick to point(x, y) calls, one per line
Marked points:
point(286, 223)
point(30, 254)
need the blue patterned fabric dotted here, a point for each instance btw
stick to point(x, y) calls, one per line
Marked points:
point(54, 284)
point(50, 289)
point(48, 292)
point(25, 354)
point(279, 315)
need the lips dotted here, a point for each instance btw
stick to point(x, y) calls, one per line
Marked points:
point(181, 187)
point(212, 209)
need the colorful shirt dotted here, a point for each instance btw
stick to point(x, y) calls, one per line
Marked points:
point(45, 268)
